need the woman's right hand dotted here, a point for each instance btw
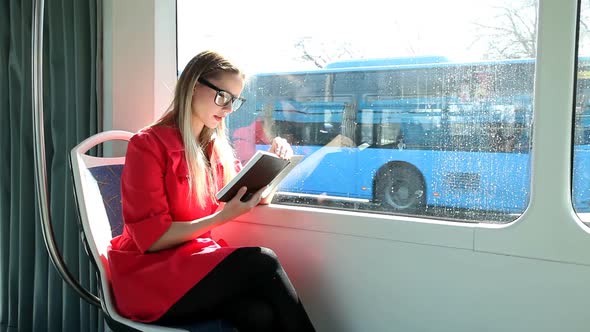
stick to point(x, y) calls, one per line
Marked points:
point(235, 207)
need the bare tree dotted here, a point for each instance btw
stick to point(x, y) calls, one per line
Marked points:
point(512, 32)
point(321, 52)
point(309, 56)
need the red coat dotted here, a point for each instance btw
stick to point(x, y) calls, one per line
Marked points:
point(154, 191)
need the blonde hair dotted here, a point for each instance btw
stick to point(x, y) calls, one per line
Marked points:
point(203, 172)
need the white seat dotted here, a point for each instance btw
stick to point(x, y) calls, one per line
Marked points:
point(97, 192)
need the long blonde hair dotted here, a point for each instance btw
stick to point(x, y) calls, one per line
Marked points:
point(203, 172)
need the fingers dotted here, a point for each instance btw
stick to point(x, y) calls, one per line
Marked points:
point(246, 199)
point(236, 207)
point(281, 148)
point(288, 153)
point(258, 195)
point(241, 192)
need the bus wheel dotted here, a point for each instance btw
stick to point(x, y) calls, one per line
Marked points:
point(400, 187)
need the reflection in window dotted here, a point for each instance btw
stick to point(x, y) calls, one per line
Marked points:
point(385, 126)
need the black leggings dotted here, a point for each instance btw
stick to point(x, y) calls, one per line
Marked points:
point(249, 289)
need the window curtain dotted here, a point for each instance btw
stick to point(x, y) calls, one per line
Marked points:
point(33, 297)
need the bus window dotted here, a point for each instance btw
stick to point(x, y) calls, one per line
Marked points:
point(428, 139)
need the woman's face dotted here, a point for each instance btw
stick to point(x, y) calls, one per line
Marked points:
point(204, 109)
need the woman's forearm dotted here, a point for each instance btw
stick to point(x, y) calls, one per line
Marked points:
point(180, 232)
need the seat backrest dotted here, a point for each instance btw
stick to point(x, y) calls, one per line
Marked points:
point(97, 182)
point(98, 196)
point(108, 179)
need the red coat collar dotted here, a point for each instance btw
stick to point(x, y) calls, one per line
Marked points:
point(169, 136)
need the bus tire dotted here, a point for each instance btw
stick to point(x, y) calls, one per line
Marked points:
point(399, 187)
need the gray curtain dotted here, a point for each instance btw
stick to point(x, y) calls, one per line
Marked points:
point(32, 295)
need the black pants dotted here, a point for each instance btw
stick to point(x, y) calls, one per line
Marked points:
point(249, 289)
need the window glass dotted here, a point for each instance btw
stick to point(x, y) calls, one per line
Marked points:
point(397, 109)
point(581, 140)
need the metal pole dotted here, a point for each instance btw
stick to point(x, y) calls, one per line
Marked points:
point(40, 162)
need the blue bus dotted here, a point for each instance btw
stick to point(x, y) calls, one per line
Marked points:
point(407, 134)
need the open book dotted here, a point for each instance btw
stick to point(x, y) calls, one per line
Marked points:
point(264, 168)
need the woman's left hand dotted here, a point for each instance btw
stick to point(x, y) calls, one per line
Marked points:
point(281, 148)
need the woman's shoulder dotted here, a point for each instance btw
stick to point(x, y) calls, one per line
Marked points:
point(160, 131)
point(167, 137)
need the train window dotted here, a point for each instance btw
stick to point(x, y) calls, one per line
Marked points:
point(581, 139)
point(411, 111)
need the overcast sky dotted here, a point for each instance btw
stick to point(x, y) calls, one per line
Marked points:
point(260, 35)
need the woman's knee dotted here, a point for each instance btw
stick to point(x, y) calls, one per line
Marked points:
point(261, 258)
point(269, 254)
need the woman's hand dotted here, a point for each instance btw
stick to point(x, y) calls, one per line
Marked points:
point(235, 207)
point(281, 148)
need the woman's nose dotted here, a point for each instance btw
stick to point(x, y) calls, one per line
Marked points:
point(227, 109)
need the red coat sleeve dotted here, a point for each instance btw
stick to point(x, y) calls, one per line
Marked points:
point(144, 203)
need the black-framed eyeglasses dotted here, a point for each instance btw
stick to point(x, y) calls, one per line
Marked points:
point(222, 97)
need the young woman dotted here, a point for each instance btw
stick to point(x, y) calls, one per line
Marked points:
point(165, 268)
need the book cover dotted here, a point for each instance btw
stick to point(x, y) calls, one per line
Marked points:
point(264, 168)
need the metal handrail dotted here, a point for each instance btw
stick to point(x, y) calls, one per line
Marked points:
point(40, 162)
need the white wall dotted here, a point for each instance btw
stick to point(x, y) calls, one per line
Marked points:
point(139, 61)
